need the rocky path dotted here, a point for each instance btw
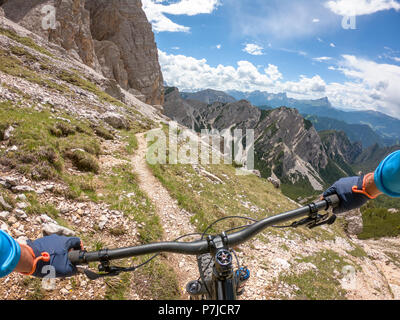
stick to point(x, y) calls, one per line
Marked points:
point(175, 221)
point(266, 261)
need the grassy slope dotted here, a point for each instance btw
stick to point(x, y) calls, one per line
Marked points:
point(44, 153)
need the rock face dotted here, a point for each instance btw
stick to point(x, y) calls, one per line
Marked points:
point(338, 145)
point(113, 37)
point(126, 46)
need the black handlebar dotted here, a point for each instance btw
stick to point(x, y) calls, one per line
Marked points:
point(202, 246)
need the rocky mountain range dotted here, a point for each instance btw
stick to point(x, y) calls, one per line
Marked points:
point(287, 146)
point(384, 125)
point(367, 127)
point(111, 36)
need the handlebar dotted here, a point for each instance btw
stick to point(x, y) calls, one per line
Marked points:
point(202, 246)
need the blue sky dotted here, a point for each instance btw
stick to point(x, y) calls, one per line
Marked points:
point(299, 47)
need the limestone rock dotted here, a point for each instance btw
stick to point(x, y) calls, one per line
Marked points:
point(4, 204)
point(113, 37)
point(275, 182)
point(127, 48)
point(52, 228)
point(115, 120)
point(354, 222)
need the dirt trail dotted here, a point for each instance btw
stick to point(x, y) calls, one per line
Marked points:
point(175, 221)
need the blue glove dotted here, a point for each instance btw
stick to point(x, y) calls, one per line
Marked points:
point(57, 247)
point(349, 200)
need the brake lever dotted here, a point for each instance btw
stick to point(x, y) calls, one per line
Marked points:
point(329, 221)
point(113, 272)
point(313, 222)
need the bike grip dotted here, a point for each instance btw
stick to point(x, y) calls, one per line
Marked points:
point(74, 257)
point(333, 200)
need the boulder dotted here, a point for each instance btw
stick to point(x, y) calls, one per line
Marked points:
point(115, 120)
point(354, 222)
point(275, 182)
point(52, 228)
point(4, 204)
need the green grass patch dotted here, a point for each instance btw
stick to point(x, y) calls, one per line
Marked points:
point(43, 142)
point(320, 284)
point(26, 41)
point(378, 223)
point(161, 280)
point(116, 188)
point(14, 66)
point(117, 287)
point(84, 84)
point(132, 142)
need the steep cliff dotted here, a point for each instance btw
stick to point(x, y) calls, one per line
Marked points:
point(113, 37)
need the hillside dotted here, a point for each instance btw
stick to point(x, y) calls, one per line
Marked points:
point(73, 162)
point(355, 132)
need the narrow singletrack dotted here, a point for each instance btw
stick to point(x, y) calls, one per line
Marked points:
point(175, 221)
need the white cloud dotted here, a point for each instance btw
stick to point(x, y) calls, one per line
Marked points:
point(218, 46)
point(156, 10)
point(188, 73)
point(315, 20)
point(253, 49)
point(376, 86)
point(322, 59)
point(333, 45)
point(273, 72)
point(361, 7)
point(369, 86)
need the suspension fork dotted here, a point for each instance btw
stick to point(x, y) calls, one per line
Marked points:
point(223, 274)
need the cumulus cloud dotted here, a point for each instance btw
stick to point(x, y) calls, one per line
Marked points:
point(374, 85)
point(156, 10)
point(253, 49)
point(188, 73)
point(361, 7)
point(370, 85)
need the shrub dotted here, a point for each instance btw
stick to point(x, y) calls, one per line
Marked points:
point(103, 133)
point(62, 129)
point(83, 161)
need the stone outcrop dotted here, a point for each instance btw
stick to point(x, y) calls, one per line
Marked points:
point(338, 145)
point(354, 222)
point(126, 46)
point(113, 37)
